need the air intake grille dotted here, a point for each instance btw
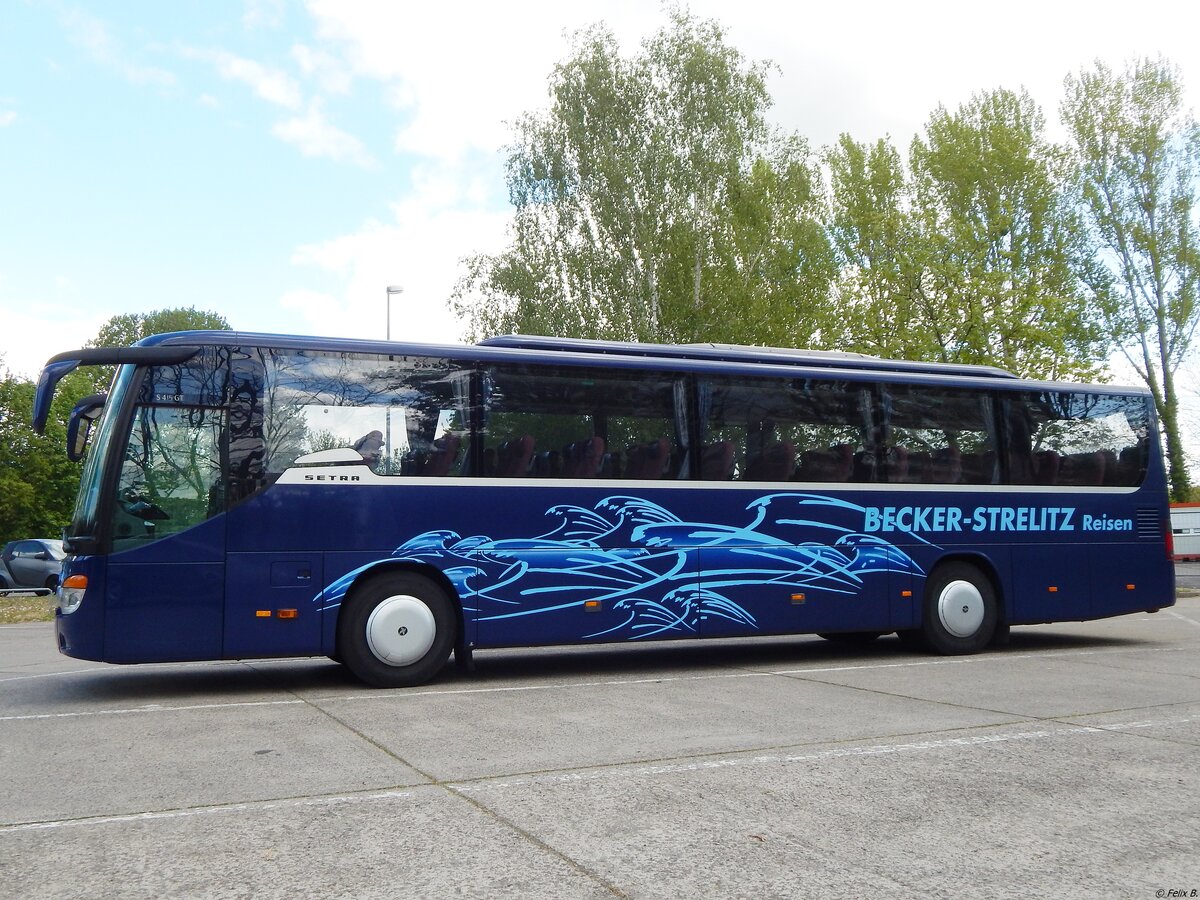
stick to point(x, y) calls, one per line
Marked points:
point(1149, 525)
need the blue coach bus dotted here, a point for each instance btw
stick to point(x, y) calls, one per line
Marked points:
point(388, 504)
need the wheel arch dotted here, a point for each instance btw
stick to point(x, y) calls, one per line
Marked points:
point(984, 565)
point(390, 567)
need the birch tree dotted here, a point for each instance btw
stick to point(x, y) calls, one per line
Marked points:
point(1138, 154)
point(654, 202)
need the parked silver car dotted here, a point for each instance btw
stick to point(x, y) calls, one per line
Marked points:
point(31, 563)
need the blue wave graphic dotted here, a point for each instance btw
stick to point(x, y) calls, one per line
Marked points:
point(633, 556)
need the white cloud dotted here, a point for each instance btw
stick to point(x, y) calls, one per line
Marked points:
point(330, 74)
point(263, 14)
point(71, 324)
point(870, 70)
point(312, 306)
point(457, 73)
point(314, 135)
point(94, 37)
point(273, 85)
point(418, 249)
point(7, 117)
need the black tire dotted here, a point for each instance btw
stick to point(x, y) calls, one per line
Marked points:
point(52, 582)
point(961, 609)
point(850, 637)
point(396, 630)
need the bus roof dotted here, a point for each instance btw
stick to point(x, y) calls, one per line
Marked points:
point(743, 353)
point(696, 358)
point(710, 358)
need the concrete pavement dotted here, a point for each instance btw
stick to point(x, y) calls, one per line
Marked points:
point(1063, 765)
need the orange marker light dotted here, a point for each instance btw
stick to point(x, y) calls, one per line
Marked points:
point(797, 598)
point(1052, 589)
point(263, 614)
point(75, 582)
point(1131, 587)
point(592, 605)
point(286, 613)
point(906, 594)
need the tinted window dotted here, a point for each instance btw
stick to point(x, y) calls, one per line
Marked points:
point(406, 416)
point(559, 422)
point(1062, 438)
point(760, 429)
point(935, 435)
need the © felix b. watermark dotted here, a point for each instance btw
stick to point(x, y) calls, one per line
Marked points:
point(1177, 892)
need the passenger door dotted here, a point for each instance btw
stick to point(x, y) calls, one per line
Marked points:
point(166, 579)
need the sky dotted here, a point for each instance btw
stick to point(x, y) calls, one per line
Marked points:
point(283, 163)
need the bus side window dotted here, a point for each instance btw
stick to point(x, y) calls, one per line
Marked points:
point(775, 429)
point(1080, 439)
point(404, 416)
point(578, 422)
point(935, 435)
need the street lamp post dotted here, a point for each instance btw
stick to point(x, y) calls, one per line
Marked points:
point(392, 289)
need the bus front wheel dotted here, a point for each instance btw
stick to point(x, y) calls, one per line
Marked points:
point(961, 609)
point(396, 630)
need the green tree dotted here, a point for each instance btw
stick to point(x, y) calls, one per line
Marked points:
point(970, 256)
point(879, 252)
point(37, 481)
point(1004, 241)
point(1138, 155)
point(654, 203)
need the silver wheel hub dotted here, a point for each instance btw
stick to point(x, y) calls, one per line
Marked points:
point(960, 608)
point(400, 630)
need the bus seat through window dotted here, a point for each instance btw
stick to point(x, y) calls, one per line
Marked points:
point(895, 464)
point(442, 456)
point(514, 456)
point(946, 466)
point(649, 461)
point(776, 462)
point(1046, 465)
point(716, 461)
point(582, 459)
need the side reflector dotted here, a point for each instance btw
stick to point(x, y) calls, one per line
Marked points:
point(797, 598)
point(75, 582)
point(1131, 587)
point(1052, 589)
point(906, 594)
point(286, 613)
point(592, 606)
point(263, 613)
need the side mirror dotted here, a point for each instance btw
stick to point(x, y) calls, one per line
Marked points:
point(79, 428)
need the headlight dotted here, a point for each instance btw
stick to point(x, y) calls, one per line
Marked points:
point(70, 594)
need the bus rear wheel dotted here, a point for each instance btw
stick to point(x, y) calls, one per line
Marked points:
point(961, 609)
point(396, 630)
